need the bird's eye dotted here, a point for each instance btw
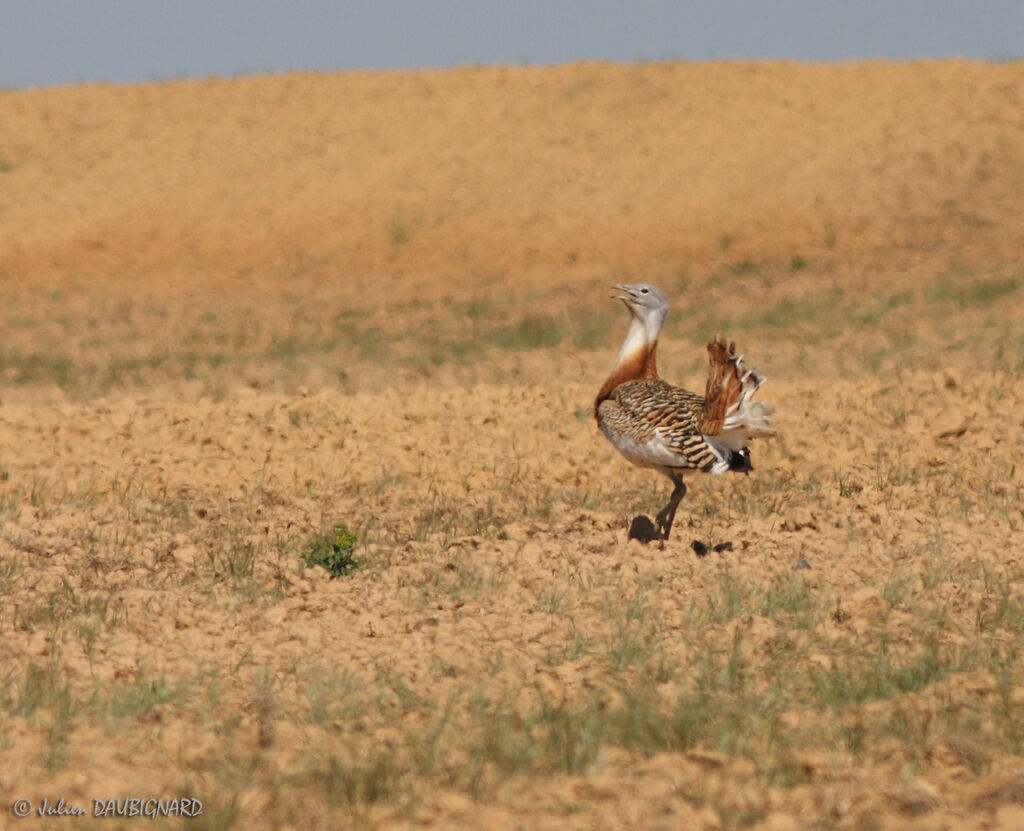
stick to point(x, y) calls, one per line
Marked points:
point(643, 291)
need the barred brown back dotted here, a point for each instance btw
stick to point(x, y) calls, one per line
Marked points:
point(644, 407)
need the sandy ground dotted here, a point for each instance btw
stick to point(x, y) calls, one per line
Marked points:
point(240, 313)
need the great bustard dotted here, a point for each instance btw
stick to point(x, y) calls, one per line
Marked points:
point(669, 429)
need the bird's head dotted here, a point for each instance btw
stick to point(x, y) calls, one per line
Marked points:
point(645, 302)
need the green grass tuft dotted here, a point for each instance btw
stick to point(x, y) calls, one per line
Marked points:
point(334, 552)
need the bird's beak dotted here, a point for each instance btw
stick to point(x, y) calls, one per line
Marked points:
point(622, 293)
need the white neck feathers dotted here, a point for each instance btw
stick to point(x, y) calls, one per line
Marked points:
point(636, 342)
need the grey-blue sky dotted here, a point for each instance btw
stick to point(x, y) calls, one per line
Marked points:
point(45, 42)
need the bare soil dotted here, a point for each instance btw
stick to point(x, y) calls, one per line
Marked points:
point(240, 314)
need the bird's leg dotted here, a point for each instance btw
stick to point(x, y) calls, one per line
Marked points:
point(667, 514)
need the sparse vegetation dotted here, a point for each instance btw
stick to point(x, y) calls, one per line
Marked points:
point(740, 660)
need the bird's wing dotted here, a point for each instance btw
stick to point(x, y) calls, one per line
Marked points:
point(654, 411)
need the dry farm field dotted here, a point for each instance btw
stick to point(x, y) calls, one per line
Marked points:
point(304, 513)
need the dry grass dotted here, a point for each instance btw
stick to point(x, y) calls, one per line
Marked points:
point(892, 658)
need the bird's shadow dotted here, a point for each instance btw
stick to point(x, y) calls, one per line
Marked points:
point(644, 530)
point(702, 549)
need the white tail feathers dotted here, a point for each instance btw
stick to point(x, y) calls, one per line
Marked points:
point(729, 413)
point(743, 414)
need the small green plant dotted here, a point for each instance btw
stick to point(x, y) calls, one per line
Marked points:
point(334, 552)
